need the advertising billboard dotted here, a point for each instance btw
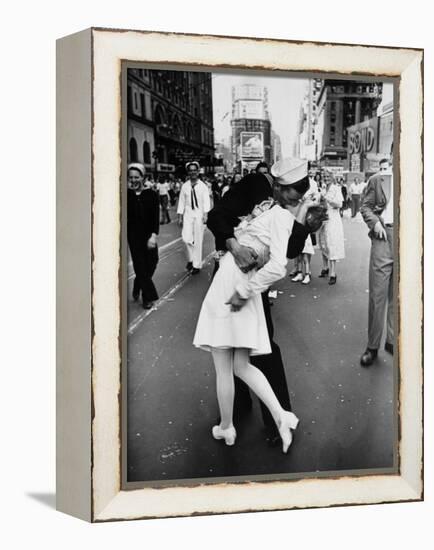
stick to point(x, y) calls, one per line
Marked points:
point(252, 145)
point(363, 137)
point(161, 167)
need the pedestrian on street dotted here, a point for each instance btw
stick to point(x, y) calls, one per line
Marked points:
point(331, 234)
point(142, 231)
point(356, 189)
point(177, 188)
point(242, 200)
point(193, 208)
point(230, 183)
point(344, 192)
point(377, 211)
point(172, 193)
point(262, 168)
point(210, 192)
point(302, 272)
point(163, 192)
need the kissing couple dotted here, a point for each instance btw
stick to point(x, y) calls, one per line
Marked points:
point(234, 322)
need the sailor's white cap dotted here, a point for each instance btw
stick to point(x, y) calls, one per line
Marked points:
point(137, 166)
point(188, 164)
point(289, 170)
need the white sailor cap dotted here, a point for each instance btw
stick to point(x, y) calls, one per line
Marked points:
point(188, 164)
point(137, 166)
point(289, 170)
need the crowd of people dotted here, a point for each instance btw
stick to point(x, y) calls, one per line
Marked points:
point(168, 188)
point(259, 221)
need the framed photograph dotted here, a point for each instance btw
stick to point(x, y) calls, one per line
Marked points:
point(239, 275)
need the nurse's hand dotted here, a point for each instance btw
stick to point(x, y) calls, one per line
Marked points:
point(244, 256)
point(236, 302)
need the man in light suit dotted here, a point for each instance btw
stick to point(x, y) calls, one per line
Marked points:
point(377, 211)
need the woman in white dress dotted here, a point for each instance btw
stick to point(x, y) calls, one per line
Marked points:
point(331, 234)
point(232, 323)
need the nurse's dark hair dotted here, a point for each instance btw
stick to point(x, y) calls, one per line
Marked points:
point(301, 186)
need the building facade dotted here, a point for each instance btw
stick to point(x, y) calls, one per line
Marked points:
point(340, 104)
point(306, 145)
point(223, 155)
point(329, 112)
point(276, 147)
point(251, 127)
point(170, 119)
point(372, 140)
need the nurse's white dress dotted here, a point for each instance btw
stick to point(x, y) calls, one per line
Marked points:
point(331, 234)
point(218, 326)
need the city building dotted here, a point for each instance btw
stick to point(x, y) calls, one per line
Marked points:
point(223, 157)
point(276, 147)
point(372, 140)
point(340, 104)
point(170, 119)
point(305, 146)
point(385, 114)
point(251, 127)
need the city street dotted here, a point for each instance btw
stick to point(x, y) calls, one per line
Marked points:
point(347, 413)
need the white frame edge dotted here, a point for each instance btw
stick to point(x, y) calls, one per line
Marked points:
point(109, 48)
point(73, 274)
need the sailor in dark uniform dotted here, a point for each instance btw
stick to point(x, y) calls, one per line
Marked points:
point(142, 231)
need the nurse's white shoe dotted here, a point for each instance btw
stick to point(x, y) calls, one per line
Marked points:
point(229, 435)
point(288, 422)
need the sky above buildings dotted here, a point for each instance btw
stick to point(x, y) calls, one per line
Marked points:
point(285, 96)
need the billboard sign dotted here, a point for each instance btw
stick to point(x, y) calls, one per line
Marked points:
point(363, 137)
point(252, 145)
point(165, 167)
point(337, 171)
point(355, 162)
point(250, 165)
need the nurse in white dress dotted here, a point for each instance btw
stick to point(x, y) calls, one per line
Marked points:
point(331, 234)
point(232, 323)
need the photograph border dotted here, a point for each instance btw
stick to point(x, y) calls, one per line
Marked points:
point(193, 482)
point(93, 490)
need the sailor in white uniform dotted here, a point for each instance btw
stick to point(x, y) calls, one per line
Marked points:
point(193, 208)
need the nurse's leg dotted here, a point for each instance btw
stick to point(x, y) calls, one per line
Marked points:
point(223, 363)
point(257, 382)
point(253, 377)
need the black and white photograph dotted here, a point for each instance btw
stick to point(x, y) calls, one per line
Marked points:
point(259, 287)
point(228, 326)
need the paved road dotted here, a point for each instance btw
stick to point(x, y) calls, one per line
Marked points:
point(347, 418)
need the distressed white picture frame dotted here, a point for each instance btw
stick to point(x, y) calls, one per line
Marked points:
point(89, 270)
